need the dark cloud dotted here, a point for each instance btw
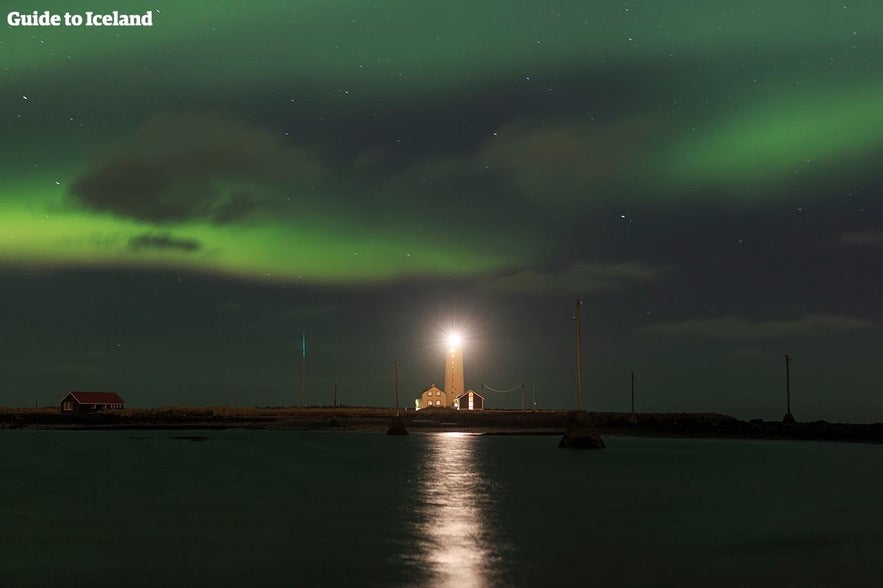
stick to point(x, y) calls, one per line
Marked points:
point(546, 165)
point(194, 167)
point(579, 277)
point(728, 328)
point(137, 187)
point(566, 158)
point(162, 241)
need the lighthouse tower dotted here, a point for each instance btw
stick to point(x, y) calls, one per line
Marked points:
point(454, 386)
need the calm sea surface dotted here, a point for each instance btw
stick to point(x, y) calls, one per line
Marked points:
point(274, 508)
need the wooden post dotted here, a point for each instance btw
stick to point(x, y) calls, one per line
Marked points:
point(633, 394)
point(398, 425)
point(579, 362)
point(788, 383)
point(303, 371)
point(788, 418)
point(334, 422)
point(395, 369)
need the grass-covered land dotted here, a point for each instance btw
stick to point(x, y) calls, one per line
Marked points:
point(434, 419)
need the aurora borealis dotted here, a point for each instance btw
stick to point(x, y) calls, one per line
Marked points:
point(179, 203)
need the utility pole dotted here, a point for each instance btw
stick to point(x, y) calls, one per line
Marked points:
point(633, 394)
point(579, 360)
point(787, 383)
point(395, 369)
point(303, 371)
point(335, 395)
point(789, 418)
point(397, 427)
point(522, 398)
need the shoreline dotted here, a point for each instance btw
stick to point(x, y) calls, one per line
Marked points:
point(488, 422)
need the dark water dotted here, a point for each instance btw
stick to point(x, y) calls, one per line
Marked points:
point(264, 508)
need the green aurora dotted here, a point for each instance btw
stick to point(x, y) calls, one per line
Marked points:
point(708, 94)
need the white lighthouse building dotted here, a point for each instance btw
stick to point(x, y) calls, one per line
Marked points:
point(454, 386)
point(454, 394)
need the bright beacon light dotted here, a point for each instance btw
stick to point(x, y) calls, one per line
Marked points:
point(454, 339)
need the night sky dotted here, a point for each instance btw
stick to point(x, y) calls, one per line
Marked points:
point(179, 203)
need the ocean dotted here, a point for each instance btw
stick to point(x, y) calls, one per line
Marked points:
point(285, 508)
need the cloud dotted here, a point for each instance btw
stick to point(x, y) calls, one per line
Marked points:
point(162, 241)
point(862, 238)
point(568, 162)
point(565, 158)
point(580, 277)
point(194, 167)
point(727, 328)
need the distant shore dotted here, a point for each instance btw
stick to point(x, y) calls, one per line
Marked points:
point(513, 422)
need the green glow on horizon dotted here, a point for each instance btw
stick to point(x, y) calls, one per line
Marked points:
point(276, 253)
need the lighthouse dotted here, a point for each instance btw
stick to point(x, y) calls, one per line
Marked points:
point(455, 395)
point(454, 384)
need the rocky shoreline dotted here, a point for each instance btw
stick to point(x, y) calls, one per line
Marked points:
point(539, 422)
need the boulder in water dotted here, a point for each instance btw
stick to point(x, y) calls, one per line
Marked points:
point(397, 427)
point(580, 433)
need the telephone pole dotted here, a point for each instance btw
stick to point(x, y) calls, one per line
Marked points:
point(397, 427)
point(303, 370)
point(395, 369)
point(633, 394)
point(579, 360)
point(788, 418)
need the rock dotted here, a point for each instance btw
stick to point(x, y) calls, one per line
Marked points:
point(580, 433)
point(397, 427)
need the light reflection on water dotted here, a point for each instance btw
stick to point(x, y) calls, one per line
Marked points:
point(284, 508)
point(456, 543)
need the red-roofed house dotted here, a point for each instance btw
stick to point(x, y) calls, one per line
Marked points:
point(91, 401)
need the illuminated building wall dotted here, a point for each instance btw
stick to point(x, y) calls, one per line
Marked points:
point(470, 400)
point(433, 396)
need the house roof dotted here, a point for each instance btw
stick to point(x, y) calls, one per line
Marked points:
point(433, 387)
point(97, 397)
point(467, 394)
